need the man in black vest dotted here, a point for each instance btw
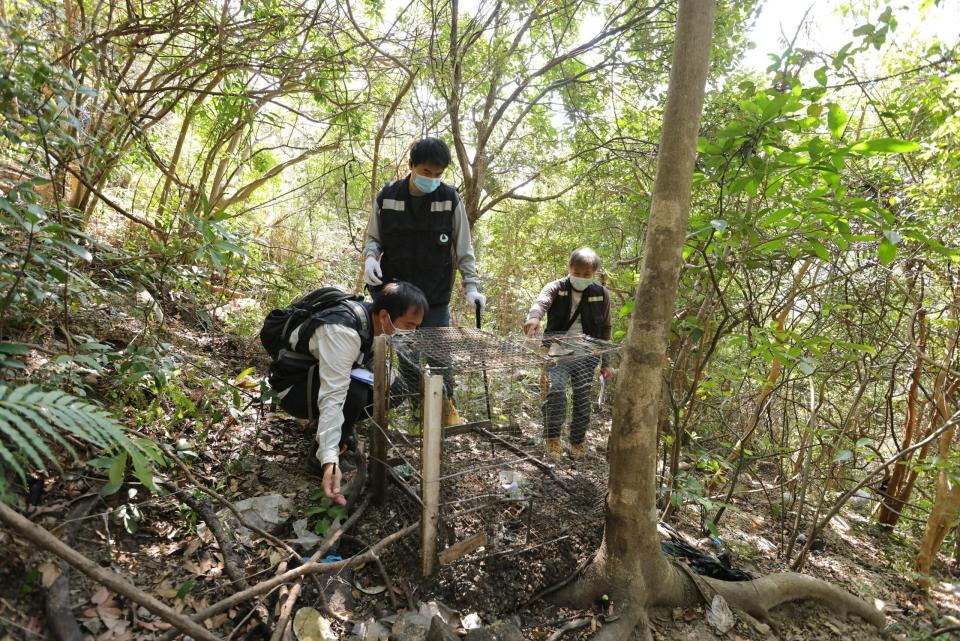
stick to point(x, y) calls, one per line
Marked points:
point(574, 305)
point(418, 232)
point(338, 341)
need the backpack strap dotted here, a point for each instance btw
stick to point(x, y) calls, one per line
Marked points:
point(360, 312)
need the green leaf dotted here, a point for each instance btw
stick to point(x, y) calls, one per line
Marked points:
point(322, 526)
point(14, 348)
point(836, 120)
point(22, 435)
point(143, 470)
point(886, 251)
point(115, 474)
point(885, 146)
point(81, 252)
point(821, 76)
point(817, 248)
point(184, 589)
point(245, 373)
point(842, 455)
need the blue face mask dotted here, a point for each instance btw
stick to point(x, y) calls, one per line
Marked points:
point(426, 185)
point(580, 284)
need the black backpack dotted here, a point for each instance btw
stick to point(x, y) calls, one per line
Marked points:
point(280, 323)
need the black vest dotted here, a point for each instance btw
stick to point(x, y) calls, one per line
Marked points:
point(418, 248)
point(350, 314)
point(592, 305)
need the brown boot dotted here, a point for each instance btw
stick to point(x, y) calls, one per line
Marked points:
point(552, 448)
point(577, 451)
point(450, 414)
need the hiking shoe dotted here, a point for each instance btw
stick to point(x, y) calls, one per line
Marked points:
point(552, 448)
point(450, 414)
point(578, 451)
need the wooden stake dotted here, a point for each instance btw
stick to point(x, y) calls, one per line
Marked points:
point(381, 394)
point(430, 470)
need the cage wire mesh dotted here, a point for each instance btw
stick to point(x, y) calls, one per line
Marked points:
point(495, 477)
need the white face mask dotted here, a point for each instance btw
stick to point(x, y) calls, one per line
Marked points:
point(399, 332)
point(579, 283)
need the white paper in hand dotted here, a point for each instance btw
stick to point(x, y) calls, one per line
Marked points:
point(362, 374)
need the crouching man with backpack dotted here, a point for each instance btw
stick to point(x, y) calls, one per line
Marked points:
point(315, 343)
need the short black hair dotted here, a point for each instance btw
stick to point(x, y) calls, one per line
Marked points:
point(584, 257)
point(432, 150)
point(399, 297)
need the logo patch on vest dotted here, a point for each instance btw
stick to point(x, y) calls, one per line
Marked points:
point(443, 239)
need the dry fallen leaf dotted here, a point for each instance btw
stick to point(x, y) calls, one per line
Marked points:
point(719, 615)
point(167, 590)
point(49, 572)
point(372, 590)
point(100, 595)
point(192, 547)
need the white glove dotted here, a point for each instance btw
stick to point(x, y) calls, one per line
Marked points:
point(371, 272)
point(474, 298)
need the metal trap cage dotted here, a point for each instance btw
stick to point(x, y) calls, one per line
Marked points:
point(460, 429)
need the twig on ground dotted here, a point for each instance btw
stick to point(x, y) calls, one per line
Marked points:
point(329, 541)
point(309, 568)
point(115, 582)
point(285, 611)
point(387, 581)
point(230, 506)
point(519, 452)
point(231, 561)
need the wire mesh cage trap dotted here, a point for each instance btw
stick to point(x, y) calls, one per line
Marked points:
point(469, 448)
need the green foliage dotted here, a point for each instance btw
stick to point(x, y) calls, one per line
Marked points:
point(325, 513)
point(35, 424)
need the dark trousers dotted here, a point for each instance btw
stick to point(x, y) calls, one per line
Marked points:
point(301, 401)
point(579, 373)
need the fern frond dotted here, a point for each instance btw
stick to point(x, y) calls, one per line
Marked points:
point(31, 419)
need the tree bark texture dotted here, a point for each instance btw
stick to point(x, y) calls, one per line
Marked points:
point(630, 538)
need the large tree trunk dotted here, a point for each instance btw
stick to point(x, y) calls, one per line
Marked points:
point(629, 555)
point(629, 567)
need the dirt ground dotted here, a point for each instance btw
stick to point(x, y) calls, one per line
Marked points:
point(536, 535)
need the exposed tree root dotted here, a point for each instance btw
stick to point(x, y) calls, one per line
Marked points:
point(576, 624)
point(759, 596)
point(632, 618)
point(635, 592)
